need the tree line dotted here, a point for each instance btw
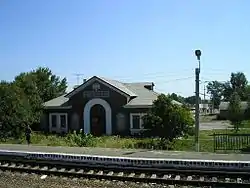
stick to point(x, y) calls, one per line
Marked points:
point(223, 91)
point(21, 99)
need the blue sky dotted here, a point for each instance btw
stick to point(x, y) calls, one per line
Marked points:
point(129, 40)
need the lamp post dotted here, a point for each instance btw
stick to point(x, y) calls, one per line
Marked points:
point(197, 97)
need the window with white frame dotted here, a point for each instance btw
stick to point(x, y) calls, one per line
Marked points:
point(136, 121)
point(58, 121)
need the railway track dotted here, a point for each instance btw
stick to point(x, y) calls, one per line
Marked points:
point(166, 176)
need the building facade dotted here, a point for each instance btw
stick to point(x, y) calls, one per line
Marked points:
point(100, 106)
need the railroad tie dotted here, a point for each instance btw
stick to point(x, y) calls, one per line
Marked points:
point(153, 176)
point(80, 171)
point(72, 170)
point(131, 175)
point(54, 169)
point(111, 173)
point(142, 175)
point(45, 168)
point(120, 174)
point(90, 172)
point(62, 170)
point(100, 173)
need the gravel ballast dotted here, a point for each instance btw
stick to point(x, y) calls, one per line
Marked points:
point(16, 180)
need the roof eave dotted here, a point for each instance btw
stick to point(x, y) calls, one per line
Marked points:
point(58, 107)
point(137, 106)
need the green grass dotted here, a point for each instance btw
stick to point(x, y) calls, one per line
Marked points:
point(185, 144)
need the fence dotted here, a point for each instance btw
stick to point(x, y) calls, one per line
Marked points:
point(231, 142)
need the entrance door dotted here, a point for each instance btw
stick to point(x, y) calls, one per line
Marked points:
point(98, 121)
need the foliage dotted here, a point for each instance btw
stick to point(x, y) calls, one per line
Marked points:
point(191, 100)
point(177, 98)
point(184, 144)
point(167, 120)
point(46, 84)
point(15, 111)
point(215, 89)
point(82, 140)
point(21, 100)
point(239, 84)
point(224, 90)
point(235, 111)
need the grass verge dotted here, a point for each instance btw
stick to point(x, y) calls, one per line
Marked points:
point(73, 139)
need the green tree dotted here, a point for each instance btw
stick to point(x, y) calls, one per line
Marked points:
point(167, 120)
point(177, 98)
point(46, 84)
point(215, 89)
point(21, 100)
point(236, 115)
point(238, 83)
point(15, 111)
point(39, 86)
point(192, 100)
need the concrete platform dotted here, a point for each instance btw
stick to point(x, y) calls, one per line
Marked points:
point(128, 152)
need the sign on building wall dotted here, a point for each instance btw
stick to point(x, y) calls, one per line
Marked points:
point(96, 92)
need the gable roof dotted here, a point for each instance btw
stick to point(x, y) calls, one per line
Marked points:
point(60, 101)
point(144, 97)
point(141, 96)
point(121, 86)
point(113, 84)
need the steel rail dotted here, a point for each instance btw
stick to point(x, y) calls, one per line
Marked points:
point(168, 176)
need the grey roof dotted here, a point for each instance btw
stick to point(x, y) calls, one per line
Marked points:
point(119, 85)
point(59, 101)
point(225, 105)
point(142, 97)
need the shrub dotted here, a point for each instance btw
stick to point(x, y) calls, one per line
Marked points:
point(82, 140)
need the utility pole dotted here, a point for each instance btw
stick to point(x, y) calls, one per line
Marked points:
point(204, 100)
point(197, 96)
point(204, 93)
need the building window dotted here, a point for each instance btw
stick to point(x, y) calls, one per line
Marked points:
point(58, 122)
point(136, 121)
point(53, 121)
point(63, 121)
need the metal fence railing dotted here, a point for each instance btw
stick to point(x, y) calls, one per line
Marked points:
point(231, 141)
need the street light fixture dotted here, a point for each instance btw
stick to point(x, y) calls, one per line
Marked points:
point(197, 102)
point(198, 55)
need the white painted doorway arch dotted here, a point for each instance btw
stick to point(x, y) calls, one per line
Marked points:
point(108, 115)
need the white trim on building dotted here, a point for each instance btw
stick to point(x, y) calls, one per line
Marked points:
point(108, 114)
point(59, 124)
point(134, 129)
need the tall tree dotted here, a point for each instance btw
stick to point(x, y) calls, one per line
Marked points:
point(168, 120)
point(239, 84)
point(215, 89)
point(21, 101)
point(223, 91)
point(15, 110)
point(235, 112)
point(47, 84)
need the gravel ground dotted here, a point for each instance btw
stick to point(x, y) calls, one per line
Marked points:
point(16, 180)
